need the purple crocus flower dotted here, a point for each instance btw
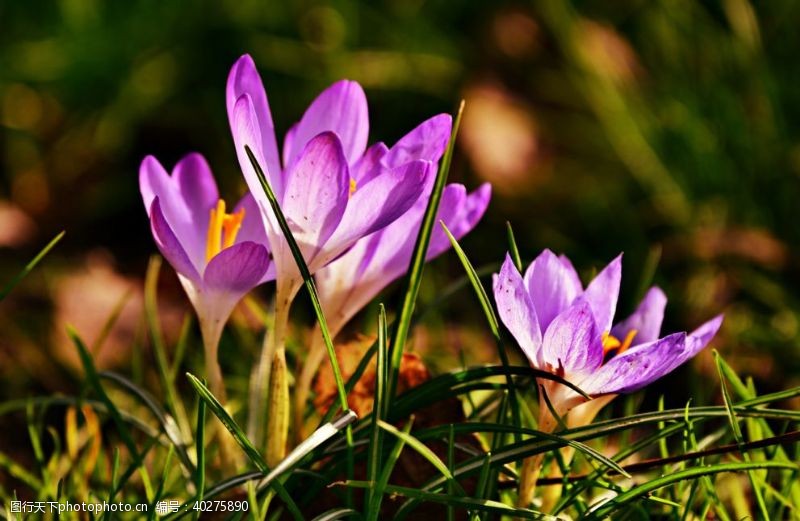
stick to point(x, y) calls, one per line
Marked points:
point(567, 330)
point(331, 188)
point(351, 281)
point(219, 256)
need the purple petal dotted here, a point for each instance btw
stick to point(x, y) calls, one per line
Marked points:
point(460, 213)
point(342, 109)
point(237, 269)
point(646, 320)
point(317, 188)
point(368, 166)
point(427, 141)
point(378, 203)
point(552, 286)
point(169, 245)
point(517, 312)
point(253, 228)
point(186, 199)
point(700, 337)
point(602, 293)
point(244, 123)
point(288, 142)
point(244, 80)
point(637, 367)
point(196, 184)
point(572, 342)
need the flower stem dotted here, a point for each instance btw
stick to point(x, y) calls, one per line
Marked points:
point(260, 376)
point(211, 331)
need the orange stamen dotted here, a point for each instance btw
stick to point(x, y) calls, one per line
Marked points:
point(222, 229)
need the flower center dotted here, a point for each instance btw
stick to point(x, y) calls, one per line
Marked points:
point(222, 229)
point(353, 186)
point(612, 343)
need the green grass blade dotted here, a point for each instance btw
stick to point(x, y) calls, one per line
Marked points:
point(494, 507)
point(168, 425)
point(402, 325)
point(488, 310)
point(380, 405)
point(162, 363)
point(379, 486)
point(423, 451)
point(94, 382)
point(238, 434)
point(336, 514)
point(512, 247)
point(644, 489)
point(247, 446)
point(10, 285)
point(737, 435)
point(199, 440)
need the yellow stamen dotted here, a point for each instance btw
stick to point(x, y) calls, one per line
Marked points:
point(627, 342)
point(222, 229)
point(231, 226)
point(353, 186)
point(611, 343)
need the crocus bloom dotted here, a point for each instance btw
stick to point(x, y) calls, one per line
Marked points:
point(567, 330)
point(332, 190)
point(351, 281)
point(219, 256)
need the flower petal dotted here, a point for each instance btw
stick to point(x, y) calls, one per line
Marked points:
point(244, 79)
point(460, 213)
point(700, 337)
point(237, 269)
point(253, 229)
point(602, 293)
point(646, 320)
point(342, 109)
point(376, 204)
point(368, 166)
point(572, 342)
point(517, 311)
point(196, 184)
point(244, 124)
point(637, 367)
point(427, 141)
point(552, 286)
point(288, 142)
point(317, 188)
point(169, 245)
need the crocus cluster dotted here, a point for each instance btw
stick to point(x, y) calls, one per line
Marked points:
point(353, 211)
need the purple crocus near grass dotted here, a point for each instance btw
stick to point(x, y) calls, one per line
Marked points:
point(331, 188)
point(567, 330)
point(218, 256)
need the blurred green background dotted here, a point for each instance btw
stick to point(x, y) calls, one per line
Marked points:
point(667, 130)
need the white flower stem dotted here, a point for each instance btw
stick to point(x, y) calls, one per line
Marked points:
point(211, 331)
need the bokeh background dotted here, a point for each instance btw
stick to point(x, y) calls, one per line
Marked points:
point(667, 130)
